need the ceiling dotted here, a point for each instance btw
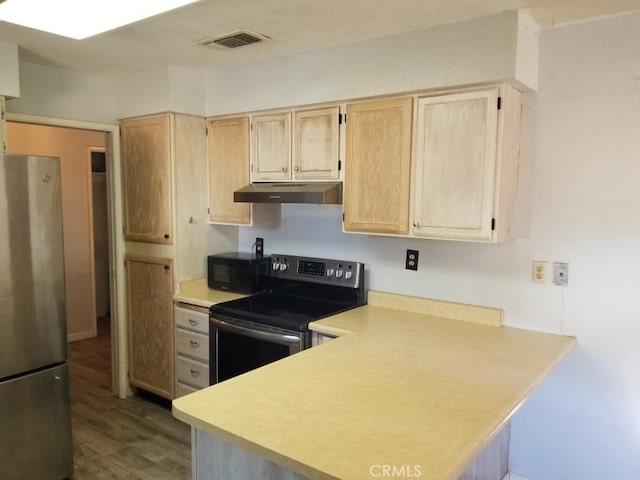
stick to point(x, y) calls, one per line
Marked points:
point(294, 26)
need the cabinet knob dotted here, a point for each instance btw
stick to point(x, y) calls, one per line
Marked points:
point(193, 322)
point(194, 344)
point(166, 235)
point(195, 373)
point(284, 169)
point(416, 224)
point(166, 267)
point(295, 169)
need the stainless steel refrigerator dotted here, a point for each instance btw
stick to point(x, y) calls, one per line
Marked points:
point(35, 416)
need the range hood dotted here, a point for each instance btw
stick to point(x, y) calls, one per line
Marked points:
point(282, 192)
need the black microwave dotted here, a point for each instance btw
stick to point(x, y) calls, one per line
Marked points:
point(237, 272)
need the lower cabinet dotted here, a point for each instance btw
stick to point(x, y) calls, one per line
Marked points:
point(192, 348)
point(151, 331)
point(215, 458)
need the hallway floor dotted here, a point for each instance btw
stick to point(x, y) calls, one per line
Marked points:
point(136, 438)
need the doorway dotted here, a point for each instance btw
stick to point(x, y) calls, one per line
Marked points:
point(106, 139)
point(99, 198)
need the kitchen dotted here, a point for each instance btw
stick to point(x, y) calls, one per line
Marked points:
point(577, 151)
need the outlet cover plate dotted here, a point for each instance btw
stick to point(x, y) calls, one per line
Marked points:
point(411, 261)
point(539, 271)
point(561, 274)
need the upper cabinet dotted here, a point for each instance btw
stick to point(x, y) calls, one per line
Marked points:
point(309, 150)
point(316, 143)
point(462, 180)
point(377, 172)
point(146, 169)
point(228, 165)
point(271, 147)
point(440, 165)
point(228, 153)
point(466, 165)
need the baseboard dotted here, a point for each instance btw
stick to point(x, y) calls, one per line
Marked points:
point(513, 476)
point(74, 337)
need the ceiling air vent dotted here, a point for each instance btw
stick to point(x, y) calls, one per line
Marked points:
point(236, 39)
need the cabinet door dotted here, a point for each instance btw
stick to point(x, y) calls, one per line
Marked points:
point(316, 143)
point(455, 165)
point(377, 171)
point(151, 330)
point(228, 153)
point(146, 170)
point(271, 147)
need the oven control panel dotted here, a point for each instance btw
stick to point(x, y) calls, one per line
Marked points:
point(319, 270)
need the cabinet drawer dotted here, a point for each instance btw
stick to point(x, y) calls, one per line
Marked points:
point(182, 389)
point(193, 373)
point(192, 319)
point(192, 344)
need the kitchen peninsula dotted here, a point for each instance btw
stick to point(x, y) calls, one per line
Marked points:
point(413, 386)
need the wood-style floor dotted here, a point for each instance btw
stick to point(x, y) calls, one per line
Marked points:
point(135, 438)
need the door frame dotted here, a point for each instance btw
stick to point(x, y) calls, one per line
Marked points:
point(119, 381)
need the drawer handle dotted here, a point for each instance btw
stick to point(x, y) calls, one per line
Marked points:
point(193, 322)
point(195, 373)
point(194, 344)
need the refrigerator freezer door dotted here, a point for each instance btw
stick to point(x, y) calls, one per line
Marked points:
point(35, 426)
point(32, 308)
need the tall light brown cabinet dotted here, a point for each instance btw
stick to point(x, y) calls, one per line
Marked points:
point(147, 177)
point(165, 204)
point(151, 345)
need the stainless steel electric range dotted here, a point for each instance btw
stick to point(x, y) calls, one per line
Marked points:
point(253, 331)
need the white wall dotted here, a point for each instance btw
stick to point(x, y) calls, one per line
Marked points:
point(166, 89)
point(9, 73)
point(478, 50)
point(582, 142)
point(585, 422)
point(59, 93)
point(55, 92)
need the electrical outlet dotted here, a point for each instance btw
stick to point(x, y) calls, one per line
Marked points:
point(539, 273)
point(411, 262)
point(561, 274)
point(259, 247)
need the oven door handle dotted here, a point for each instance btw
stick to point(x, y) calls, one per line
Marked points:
point(253, 333)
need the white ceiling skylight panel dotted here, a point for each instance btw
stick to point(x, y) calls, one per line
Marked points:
point(82, 18)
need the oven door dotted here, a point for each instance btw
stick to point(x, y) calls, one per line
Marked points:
point(237, 347)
